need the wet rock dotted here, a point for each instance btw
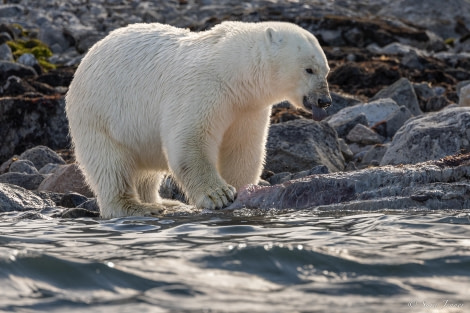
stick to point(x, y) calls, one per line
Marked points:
point(77, 213)
point(72, 200)
point(285, 176)
point(23, 166)
point(375, 111)
point(14, 198)
point(27, 181)
point(388, 187)
point(67, 178)
point(90, 205)
point(402, 93)
point(27, 122)
point(40, 156)
point(430, 137)
point(299, 145)
point(364, 135)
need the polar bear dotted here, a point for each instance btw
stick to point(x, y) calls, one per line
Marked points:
point(151, 99)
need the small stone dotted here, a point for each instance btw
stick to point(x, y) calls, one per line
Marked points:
point(90, 205)
point(436, 103)
point(28, 59)
point(464, 99)
point(5, 53)
point(23, 166)
point(345, 150)
point(364, 135)
point(374, 155)
point(15, 198)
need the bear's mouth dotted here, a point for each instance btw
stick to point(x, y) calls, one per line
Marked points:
point(318, 113)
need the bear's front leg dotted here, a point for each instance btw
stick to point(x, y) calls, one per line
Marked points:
point(193, 165)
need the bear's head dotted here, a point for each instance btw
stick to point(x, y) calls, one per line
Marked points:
point(301, 67)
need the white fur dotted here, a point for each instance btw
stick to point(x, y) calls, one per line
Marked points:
point(151, 98)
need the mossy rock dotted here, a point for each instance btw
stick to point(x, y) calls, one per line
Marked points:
point(31, 45)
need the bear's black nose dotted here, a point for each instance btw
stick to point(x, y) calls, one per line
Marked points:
point(324, 101)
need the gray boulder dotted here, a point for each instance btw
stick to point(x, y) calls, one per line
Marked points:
point(5, 53)
point(40, 156)
point(299, 145)
point(27, 181)
point(23, 166)
point(8, 69)
point(430, 137)
point(403, 93)
point(67, 178)
point(14, 198)
point(374, 111)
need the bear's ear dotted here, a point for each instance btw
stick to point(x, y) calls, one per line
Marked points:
point(273, 36)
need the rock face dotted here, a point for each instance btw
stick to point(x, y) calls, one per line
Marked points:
point(301, 144)
point(442, 184)
point(430, 137)
point(27, 122)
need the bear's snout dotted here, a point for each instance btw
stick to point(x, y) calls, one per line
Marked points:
point(324, 101)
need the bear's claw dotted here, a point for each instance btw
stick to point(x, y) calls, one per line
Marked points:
point(217, 198)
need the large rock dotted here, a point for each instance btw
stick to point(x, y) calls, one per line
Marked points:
point(14, 198)
point(432, 185)
point(403, 93)
point(299, 145)
point(27, 181)
point(430, 137)
point(67, 178)
point(40, 156)
point(28, 122)
point(375, 111)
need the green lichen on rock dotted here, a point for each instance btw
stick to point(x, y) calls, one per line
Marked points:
point(27, 44)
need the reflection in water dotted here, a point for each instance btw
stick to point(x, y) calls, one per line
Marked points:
point(284, 262)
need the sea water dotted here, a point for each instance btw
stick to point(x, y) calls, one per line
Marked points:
point(291, 261)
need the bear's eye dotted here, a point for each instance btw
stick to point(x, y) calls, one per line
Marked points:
point(309, 70)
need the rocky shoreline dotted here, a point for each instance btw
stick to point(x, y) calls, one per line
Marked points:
point(400, 87)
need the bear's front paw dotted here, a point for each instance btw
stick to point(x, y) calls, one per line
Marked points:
point(217, 198)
